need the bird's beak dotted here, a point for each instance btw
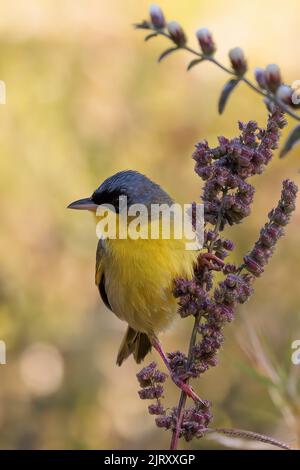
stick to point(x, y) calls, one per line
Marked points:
point(83, 204)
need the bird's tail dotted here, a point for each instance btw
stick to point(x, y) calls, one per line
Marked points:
point(134, 343)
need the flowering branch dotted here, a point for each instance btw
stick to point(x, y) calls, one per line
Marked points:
point(269, 81)
point(227, 197)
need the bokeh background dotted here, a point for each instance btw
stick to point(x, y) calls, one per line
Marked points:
point(86, 98)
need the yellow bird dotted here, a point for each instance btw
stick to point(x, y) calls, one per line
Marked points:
point(135, 276)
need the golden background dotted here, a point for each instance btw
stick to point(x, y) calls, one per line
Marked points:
point(86, 98)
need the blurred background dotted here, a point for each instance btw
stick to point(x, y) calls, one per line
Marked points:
point(86, 98)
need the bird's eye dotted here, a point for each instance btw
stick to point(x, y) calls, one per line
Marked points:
point(96, 197)
point(108, 197)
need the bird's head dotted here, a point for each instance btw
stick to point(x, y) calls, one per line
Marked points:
point(138, 189)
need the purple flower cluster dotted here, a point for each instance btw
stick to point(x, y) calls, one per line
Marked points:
point(150, 380)
point(193, 298)
point(227, 197)
point(272, 231)
point(213, 312)
point(195, 421)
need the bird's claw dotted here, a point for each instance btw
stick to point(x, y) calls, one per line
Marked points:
point(206, 259)
point(185, 387)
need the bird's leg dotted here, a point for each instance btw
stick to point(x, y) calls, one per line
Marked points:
point(185, 387)
point(205, 259)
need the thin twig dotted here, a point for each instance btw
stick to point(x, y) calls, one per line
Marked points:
point(227, 70)
point(254, 436)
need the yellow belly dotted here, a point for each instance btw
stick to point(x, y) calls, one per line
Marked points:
point(139, 278)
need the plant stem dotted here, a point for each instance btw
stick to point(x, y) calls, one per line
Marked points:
point(254, 436)
point(183, 395)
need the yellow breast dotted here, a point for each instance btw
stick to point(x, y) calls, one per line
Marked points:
point(139, 278)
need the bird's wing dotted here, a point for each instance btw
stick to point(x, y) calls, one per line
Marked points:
point(99, 275)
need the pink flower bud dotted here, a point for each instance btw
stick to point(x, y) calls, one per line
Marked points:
point(271, 106)
point(284, 94)
point(157, 17)
point(260, 75)
point(238, 60)
point(273, 77)
point(177, 33)
point(253, 266)
point(206, 41)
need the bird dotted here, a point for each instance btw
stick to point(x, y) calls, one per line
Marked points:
point(135, 276)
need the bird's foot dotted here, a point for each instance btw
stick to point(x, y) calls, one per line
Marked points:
point(179, 381)
point(186, 388)
point(210, 260)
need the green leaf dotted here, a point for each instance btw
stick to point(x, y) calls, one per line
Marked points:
point(193, 63)
point(291, 141)
point(167, 52)
point(226, 92)
point(150, 36)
